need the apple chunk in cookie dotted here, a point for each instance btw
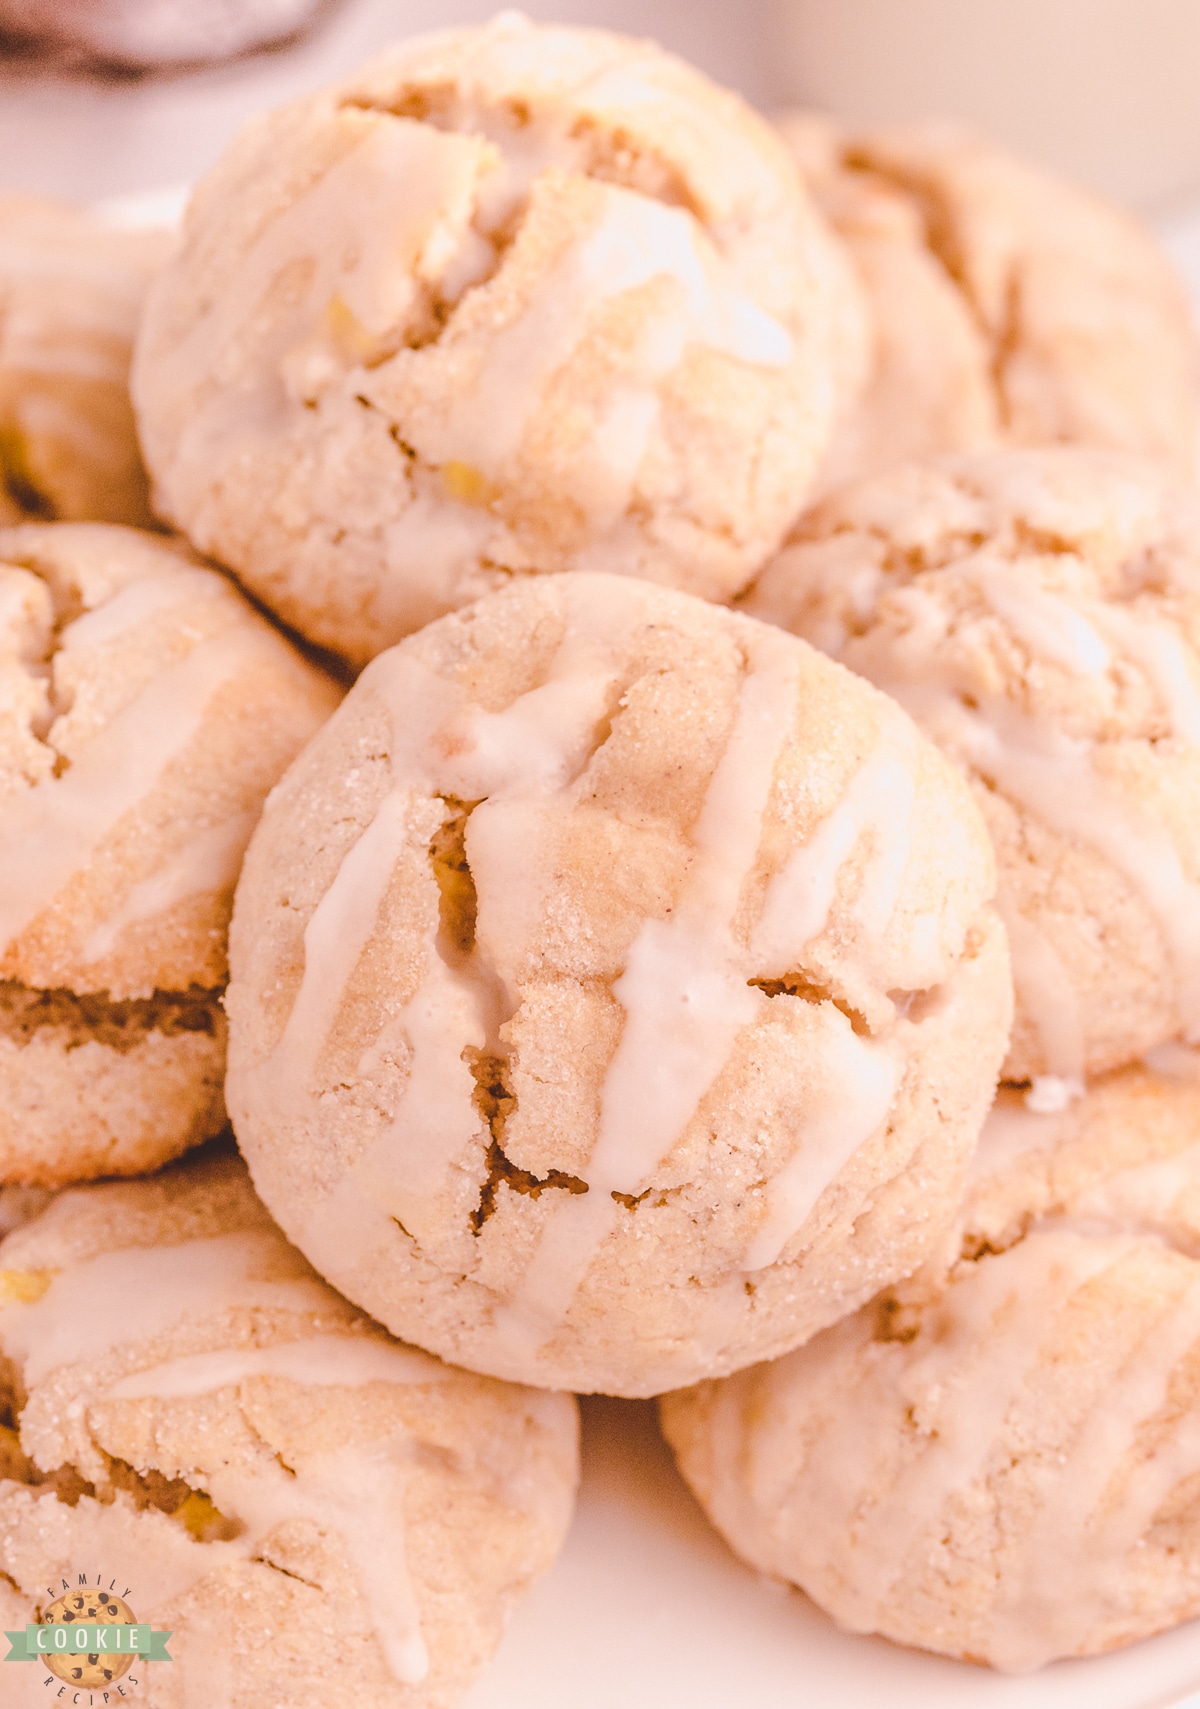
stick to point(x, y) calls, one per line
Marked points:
point(145, 711)
point(1000, 1463)
point(1038, 613)
point(509, 299)
point(615, 993)
point(320, 1517)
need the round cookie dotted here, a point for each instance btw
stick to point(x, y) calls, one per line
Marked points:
point(1005, 305)
point(614, 995)
point(145, 711)
point(320, 1517)
point(71, 293)
point(1000, 1465)
point(510, 299)
point(1038, 613)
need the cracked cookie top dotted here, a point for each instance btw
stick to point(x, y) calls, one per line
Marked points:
point(1038, 613)
point(614, 993)
point(249, 1452)
point(145, 710)
point(1004, 305)
point(999, 1462)
point(71, 292)
point(510, 299)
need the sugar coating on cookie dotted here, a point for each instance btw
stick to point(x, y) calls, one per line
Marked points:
point(614, 993)
point(1005, 305)
point(145, 711)
point(190, 1408)
point(510, 299)
point(1038, 613)
point(1000, 1465)
point(71, 293)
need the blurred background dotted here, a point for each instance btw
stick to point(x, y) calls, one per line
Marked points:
point(1106, 90)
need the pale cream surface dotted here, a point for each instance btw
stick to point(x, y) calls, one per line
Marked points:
point(510, 299)
point(686, 982)
point(206, 1291)
point(1000, 1464)
point(1006, 306)
point(1038, 615)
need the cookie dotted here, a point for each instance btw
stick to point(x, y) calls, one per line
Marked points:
point(71, 292)
point(1001, 1466)
point(145, 711)
point(614, 991)
point(116, 32)
point(509, 300)
point(319, 1516)
point(1038, 613)
point(1007, 306)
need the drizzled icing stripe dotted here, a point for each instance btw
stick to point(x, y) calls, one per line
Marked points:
point(442, 744)
point(53, 828)
point(1054, 776)
point(208, 862)
point(1047, 994)
point(358, 1490)
point(685, 997)
point(959, 1391)
point(685, 988)
point(1068, 1579)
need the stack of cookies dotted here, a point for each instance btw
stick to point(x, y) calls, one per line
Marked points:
point(671, 622)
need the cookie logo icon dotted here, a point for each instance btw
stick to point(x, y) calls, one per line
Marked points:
point(89, 1638)
point(91, 1669)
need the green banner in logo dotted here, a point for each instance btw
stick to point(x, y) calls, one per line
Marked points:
point(36, 1642)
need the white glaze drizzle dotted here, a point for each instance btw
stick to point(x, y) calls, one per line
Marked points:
point(1047, 993)
point(356, 1490)
point(685, 996)
point(1052, 775)
point(860, 1079)
point(685, 989)
point(317, 1361)
point(956, 1394)
point(635, 241)
point(209, 862)
point(1068, 1578)
point(878, 802)
point(158, 1286)
point(1048, 625)
point(442, 744)
point(52, 829)
point(140, 602)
